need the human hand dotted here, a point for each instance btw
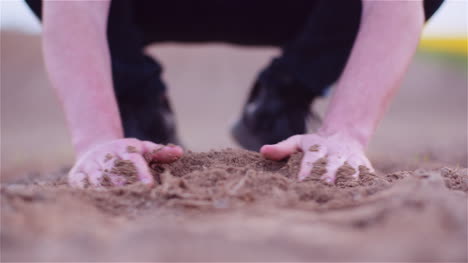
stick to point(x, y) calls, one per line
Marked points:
point(338, 148)
point(120, 162)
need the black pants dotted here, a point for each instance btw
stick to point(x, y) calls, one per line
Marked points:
point(315, 36)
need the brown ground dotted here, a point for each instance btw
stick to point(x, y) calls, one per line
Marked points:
point(232, 204)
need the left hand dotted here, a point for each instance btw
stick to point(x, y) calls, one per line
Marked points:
point(97, 167)
point(338, 148)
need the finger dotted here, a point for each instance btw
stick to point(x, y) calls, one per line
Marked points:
point(141, 166)
point(86, 172)
point(162, 153)
point(368, 164)
point(333, 164)
point(95, 178)
point(93, 171)
point(307, 163)
point(282, 149)
point(77, 179)
point(354, 163)
point(78, 167)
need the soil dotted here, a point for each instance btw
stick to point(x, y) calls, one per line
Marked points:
point(233, 205)
point(126, 169)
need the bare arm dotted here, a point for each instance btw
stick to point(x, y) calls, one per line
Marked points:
point(384, 47)
point(78, 61)
point(383, 51)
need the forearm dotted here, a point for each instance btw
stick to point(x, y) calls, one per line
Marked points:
point(78, 62)
point(384, 47)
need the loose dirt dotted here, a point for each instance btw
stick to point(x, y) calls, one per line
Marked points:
point(233, 205)
point(126, 169)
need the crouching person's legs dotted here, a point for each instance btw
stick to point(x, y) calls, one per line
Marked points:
point(141, 94)
point(279, 102)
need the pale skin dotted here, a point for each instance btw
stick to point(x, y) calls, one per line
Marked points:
point(78, 62)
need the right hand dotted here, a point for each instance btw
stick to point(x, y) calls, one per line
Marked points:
point(338, 148)
point(97, 166)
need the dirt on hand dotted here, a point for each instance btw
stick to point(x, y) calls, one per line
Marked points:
point(233, 205)
point(126, 169)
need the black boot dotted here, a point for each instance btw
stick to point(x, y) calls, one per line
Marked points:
point(278, 107)
point(144, 107)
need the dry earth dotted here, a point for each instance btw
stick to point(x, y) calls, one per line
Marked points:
point(233, 205)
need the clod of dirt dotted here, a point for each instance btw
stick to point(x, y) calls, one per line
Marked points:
point(126, 169)
point(149, 155)
point(319, 168)
point(314, 148)
point(456, 179)
point(108, 157)
point(131, 149)
point(344, 177)
point(241, 177)
point(105, 181)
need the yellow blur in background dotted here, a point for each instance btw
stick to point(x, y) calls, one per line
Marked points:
point(449, 45)
point(446, 31)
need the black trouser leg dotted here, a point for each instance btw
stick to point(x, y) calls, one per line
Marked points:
point(140, 92)
point(315, 58)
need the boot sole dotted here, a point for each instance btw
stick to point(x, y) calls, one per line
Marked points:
point(244, 137)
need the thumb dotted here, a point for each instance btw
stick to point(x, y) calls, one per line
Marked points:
point(282, 149)
point(163, 153)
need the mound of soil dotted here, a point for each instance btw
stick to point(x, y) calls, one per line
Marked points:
point(235, 205)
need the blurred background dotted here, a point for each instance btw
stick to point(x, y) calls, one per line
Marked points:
point(426, 124)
